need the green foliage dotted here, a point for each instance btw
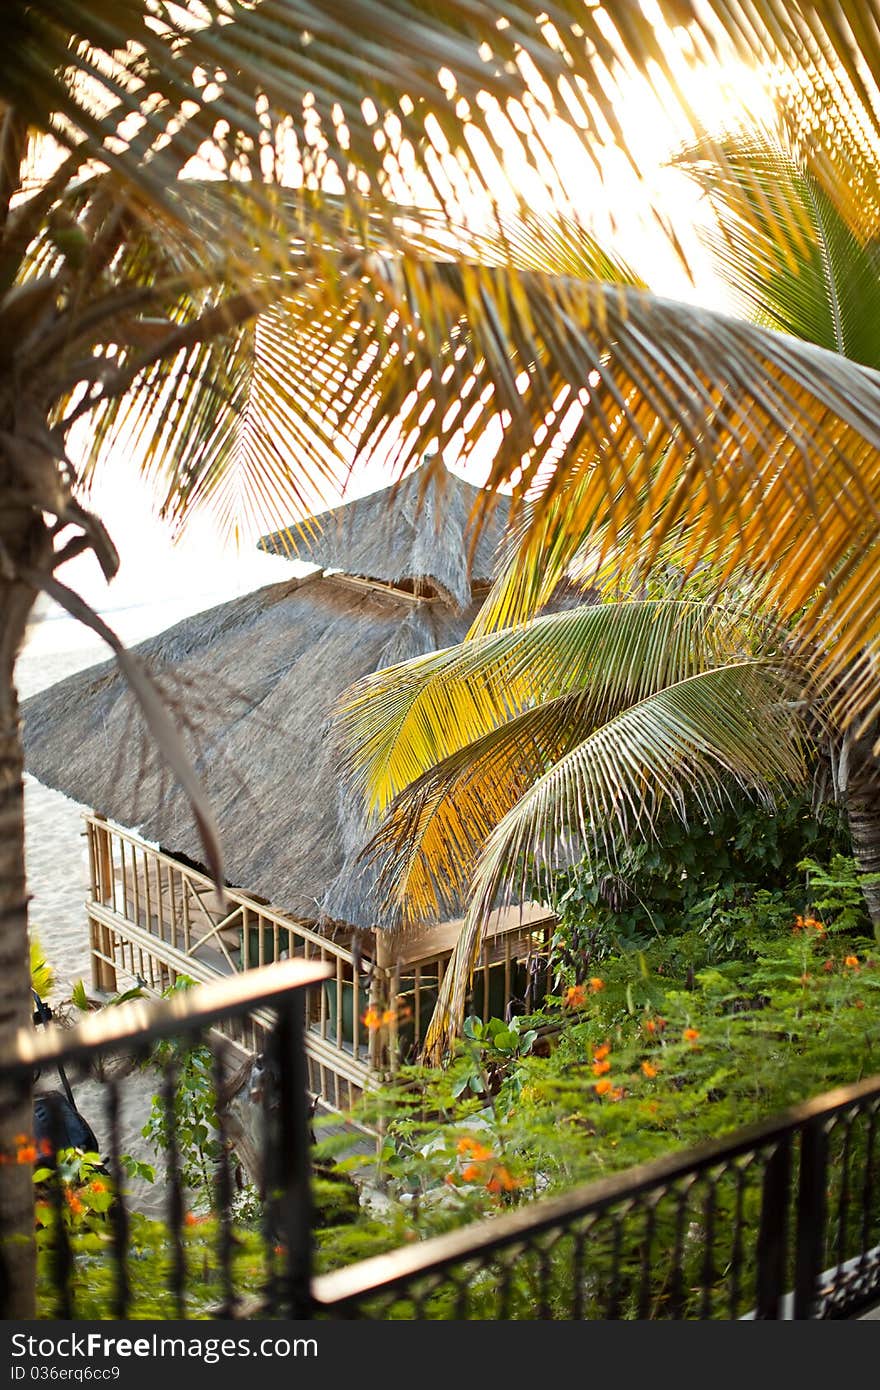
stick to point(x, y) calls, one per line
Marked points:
point(42, 977)
point(683, 1038)
point(837, 890)
point(189, 1121)
point(79, 998)
point(494, 1042)
point(136, 1168)
point(726, 881)
point(772, 997)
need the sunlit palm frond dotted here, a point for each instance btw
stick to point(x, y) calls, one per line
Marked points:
point(364, 339)
point(366, 94)
point(682, 748)
point(822, 286)
point(396, 723)
point(751, 450)
point(429, 843)
point(223, 426)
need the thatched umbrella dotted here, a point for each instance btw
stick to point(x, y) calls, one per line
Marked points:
point(415, 536)
point(258, 678)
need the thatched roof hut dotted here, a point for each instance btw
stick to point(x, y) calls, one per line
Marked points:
point(415, 537)
point(258, 678)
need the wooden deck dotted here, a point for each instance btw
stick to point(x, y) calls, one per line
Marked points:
point(153, 918)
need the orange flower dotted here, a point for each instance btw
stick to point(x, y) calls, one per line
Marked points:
point(602, 1087)
point(618, 1093)
point(808, 924)
point(852, 962)
point(191, 1219)
point(828, 966)
point(575, 997)
point(45, 1147)
point(650, 1026)
point(98, 1186)
point(478, 1152)
point(388, 1018)
point(74, 1202)
point(601, 1052)
point(691, 1034)
point(501, 1180)
point(600, 1067)
point(26, 1154)
point(596, 984)
point(471, 1172)
point(649, 1070)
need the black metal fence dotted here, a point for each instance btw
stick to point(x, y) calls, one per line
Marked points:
point(96, 1257)
point(780, 1220)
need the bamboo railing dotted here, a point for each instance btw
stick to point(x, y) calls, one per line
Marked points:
point(153, 918)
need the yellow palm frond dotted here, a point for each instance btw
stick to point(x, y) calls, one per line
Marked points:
point(395, 724)
point(681, 748)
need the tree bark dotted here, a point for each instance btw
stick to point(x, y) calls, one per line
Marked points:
point(863, 813)
point(17, 1254)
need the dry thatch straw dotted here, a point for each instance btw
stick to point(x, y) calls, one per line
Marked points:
point(257, 680)
point(415, 536)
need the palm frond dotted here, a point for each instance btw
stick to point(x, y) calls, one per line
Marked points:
point(366, 93)
point(679, 749)
point(751, 450)
point(396, 723)
point(822, 286)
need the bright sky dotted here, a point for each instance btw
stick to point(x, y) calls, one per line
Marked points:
point(200, 569)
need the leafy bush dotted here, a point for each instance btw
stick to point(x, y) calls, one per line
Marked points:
point(728, 880)
point(747, 1005)
point(189, 1122)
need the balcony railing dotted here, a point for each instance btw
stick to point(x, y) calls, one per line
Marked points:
point(276, 1281)
point(780, 1220)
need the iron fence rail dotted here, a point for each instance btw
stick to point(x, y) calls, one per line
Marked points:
point(781, 1219)
point(133, 1029)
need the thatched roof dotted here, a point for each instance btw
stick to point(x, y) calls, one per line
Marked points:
point(414, 533)
point(259, 677)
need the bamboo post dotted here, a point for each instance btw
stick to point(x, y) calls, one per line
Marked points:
point(93, 897)
point(394, 1004)
point(380, 996)
point(103, 973)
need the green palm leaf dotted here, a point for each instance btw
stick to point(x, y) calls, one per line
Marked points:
point(678, 748)
point(394, 724)
point(822, 285)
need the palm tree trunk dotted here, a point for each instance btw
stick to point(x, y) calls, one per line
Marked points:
point(863, 812)
point(17, 1255)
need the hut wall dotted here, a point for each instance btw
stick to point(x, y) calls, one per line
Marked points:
point(153, 919)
